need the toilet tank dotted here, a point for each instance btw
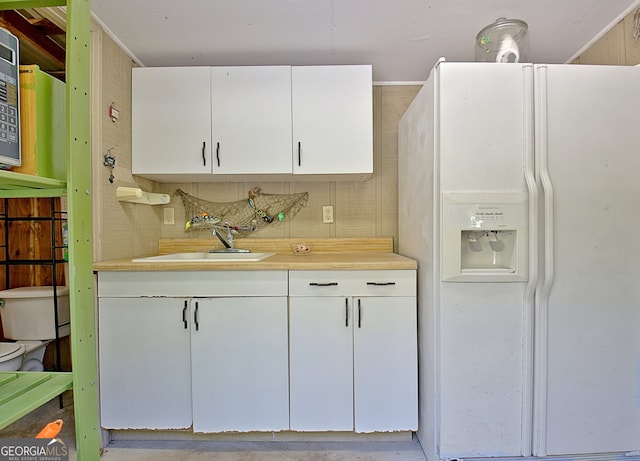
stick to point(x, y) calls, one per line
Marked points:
point(28, 312)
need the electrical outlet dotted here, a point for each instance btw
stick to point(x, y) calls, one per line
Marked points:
point(327, 214)
point(169, 216)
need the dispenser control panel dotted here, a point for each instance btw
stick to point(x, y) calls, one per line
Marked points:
point(484, 237)
point(483, 216)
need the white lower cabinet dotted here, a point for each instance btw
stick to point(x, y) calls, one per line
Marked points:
point(385, 364)
point(239, 364)
point(321, 361)
point(145, 366)
point(241, 351)
point(353, 351)
point(214, 363)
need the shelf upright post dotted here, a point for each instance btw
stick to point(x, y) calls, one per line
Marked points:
point(79, 207)
point(79, 221)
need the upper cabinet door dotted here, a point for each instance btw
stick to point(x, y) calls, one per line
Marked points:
point(332, 119)
point(171, 120)
point(251, 119)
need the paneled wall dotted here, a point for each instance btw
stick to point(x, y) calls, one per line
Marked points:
point(121, 229)
point(617, 47)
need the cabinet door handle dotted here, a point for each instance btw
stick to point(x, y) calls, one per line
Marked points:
point(218, 153)
point(204, 157)
point(323, 284)
point(381, 284)
point(346, 312)
point(184, 315)
point(359, 315)
point(299, 153)
point(196, 317)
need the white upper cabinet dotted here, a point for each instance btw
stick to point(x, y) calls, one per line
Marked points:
point(224, 123)
point(332, 110)
point(251, 120)
point(171, 120)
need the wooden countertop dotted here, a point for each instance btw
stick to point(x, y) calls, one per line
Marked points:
point(320, 261)
point(326, 254)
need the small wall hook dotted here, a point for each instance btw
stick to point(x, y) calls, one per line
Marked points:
point(109, 160)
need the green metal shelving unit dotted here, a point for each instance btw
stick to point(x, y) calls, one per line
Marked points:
point(19, 396)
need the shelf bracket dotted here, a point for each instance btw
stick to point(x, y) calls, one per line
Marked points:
point(137, 195)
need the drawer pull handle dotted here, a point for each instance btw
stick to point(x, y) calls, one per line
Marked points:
point(381, 284)
point(323, 284)
point(346, 312)
point(184, 315)
point(196, 318)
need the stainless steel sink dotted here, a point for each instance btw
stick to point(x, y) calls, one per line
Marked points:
point(205, 257)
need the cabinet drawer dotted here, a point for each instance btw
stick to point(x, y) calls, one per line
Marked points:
point(193, 283)
point(352, 283)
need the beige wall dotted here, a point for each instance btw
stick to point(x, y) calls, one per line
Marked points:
point(121, 229)
point(616, 47)
point(362, 209)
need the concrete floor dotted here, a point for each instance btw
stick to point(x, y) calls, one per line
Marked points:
point(197, 450)
point(264, 451)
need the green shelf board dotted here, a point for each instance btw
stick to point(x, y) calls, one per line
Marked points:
point(23, 392)
point(20, 4)
point(23, 185)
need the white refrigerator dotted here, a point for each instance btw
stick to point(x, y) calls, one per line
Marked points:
point(519, 196)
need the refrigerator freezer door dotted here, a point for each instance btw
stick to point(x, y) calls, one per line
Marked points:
point(483, 333)
point(481, 376)
point(482, 125)
point(587, 328)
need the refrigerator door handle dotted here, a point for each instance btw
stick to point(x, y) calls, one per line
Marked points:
point(547, 192)
point(530, 291)
point(544, 286)
point(532, 188)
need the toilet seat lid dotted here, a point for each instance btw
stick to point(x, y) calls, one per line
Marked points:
point(9, 348)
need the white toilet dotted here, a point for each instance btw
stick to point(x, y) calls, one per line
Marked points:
point(28, 319)
point(22, 355)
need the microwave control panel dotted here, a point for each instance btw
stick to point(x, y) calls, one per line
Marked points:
point(9, 101)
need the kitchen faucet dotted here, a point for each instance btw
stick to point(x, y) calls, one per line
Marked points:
point(227, 242)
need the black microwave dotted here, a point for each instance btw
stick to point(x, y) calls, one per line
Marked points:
point(10, 154)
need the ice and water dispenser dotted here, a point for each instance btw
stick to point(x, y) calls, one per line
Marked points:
point(484, 237)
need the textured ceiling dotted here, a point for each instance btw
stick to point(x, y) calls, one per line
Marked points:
point(402, 39)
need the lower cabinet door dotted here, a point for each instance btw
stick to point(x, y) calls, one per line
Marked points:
point(145, 366)
point(385, 364)
point(321, 363)
point(239, 354)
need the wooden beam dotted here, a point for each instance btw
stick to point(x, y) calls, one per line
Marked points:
point(26, 32)
point(46, 26)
